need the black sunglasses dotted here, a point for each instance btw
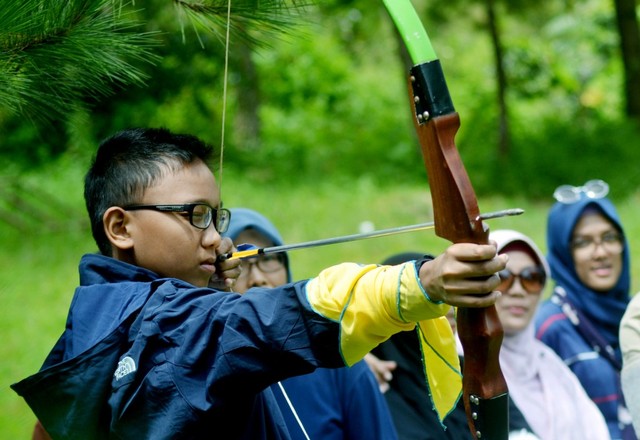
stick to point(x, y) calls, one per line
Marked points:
point(531, 278)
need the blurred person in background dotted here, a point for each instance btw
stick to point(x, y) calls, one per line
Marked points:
point(588, 256)
point(630, 346)
point(546, 391)
point(328, 404)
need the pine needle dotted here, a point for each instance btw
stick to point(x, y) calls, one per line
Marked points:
point(52, 53)
point(264, 17)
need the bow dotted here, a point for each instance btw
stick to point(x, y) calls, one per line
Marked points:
point(457, 219)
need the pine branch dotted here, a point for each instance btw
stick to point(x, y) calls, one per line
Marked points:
point(271, 17)
point(55, 52)
point(52, 53)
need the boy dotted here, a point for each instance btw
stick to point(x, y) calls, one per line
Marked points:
point(151, 352)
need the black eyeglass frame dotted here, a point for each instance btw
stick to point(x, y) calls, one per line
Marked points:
point(222, 215)
point(507, 278)
point(609, 241)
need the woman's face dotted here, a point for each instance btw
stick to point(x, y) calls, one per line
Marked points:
point(519, 300)
point(262, 271)
point(596, 247)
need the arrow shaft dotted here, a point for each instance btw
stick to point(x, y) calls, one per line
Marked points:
point(353, 237)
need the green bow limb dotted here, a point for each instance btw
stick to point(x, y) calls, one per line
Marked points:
point(412, 31)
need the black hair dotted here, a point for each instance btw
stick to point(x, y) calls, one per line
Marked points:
point(128, 163)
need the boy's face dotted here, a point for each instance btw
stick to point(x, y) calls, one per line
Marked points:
point(165, 242)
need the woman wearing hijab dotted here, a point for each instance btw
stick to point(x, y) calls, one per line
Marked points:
point(328, 404)
point(589, 260)
point(544, 389)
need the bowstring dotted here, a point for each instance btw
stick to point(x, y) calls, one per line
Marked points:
point(224, 102)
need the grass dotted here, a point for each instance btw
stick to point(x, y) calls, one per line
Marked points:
point(38, 268)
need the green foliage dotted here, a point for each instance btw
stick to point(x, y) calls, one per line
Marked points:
point(331, 97)
point(366, 130)
point(268, 17)
point(60, 58)
point(53, 55)
point(550, 149)
point(588, 149)
point(566, 117)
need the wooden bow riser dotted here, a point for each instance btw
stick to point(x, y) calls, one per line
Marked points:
point(484, 389)
point(456, 213)
point(457, 219)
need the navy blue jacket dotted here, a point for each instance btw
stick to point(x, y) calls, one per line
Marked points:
point(336, 404)
point(191, 362)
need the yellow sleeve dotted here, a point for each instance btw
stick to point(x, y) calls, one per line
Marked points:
point(372, 302)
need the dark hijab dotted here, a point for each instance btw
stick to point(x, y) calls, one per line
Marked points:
point(603, 309)
point(243, 219)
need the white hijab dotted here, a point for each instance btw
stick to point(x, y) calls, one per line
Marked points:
point(544, 389)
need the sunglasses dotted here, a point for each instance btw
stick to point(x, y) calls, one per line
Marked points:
point(593, 189)
point(531, 278)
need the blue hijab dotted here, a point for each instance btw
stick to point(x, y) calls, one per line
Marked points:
point(603, 309)
point(244, 218)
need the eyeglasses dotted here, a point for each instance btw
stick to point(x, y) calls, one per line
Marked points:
point(200, 215)
point(266, 263)
point(531, 278)
point(610, 242)
point(593, 189)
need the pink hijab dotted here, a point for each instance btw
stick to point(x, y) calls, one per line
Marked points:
point(544, 389)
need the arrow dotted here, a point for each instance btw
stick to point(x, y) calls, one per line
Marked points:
point(353, 237)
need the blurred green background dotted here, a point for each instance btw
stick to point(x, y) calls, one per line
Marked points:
point(318, 136)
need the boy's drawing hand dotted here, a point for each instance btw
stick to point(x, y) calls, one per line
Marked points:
point(228, 271)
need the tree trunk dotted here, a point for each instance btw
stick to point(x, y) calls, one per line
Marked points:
point(247, 128)
point(627, 20)
point(503, 113)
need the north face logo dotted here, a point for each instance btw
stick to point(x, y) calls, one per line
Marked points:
point(126, 366)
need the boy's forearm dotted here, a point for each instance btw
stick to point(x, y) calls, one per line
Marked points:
point(371, 303)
